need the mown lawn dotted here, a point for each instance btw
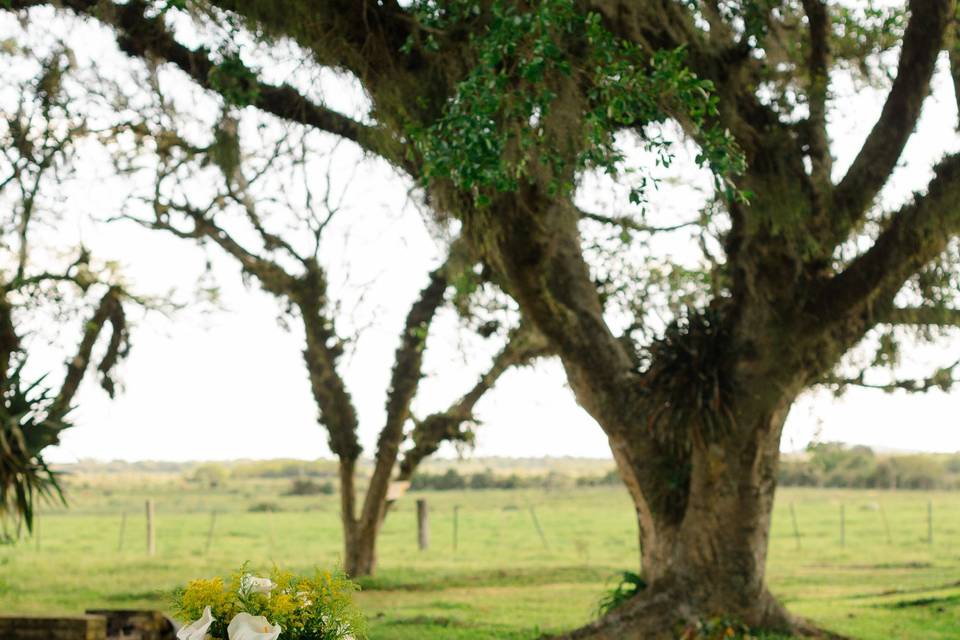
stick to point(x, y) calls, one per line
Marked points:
point(502, 581)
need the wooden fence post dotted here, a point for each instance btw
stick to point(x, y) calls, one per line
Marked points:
point(123, 530)
point(151, 532)
point(886, 525)
point(843, 526)
point(796, 529)
point(456, 525)
point(536, 523)
point(273, 533)
point(213, 521)
point(423, 529)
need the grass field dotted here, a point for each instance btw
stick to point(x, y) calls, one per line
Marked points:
point(502, 581)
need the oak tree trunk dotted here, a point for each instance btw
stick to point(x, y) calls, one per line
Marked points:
point(704, 553)
point(359, 543)
point(360, 553)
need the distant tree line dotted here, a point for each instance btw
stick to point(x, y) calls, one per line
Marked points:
point(310, 478)
point(834, 464)
point(824, 464)
point(451, 480)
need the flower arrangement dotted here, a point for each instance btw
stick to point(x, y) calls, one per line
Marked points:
point(287, 606)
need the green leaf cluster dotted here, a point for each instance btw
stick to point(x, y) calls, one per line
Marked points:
point(524, 63)
point(236, 82)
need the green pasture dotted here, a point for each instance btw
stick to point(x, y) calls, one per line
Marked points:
point(502, 581)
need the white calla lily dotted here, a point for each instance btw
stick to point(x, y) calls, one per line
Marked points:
point(253, 584)
point(197, 630)
point(247, 627)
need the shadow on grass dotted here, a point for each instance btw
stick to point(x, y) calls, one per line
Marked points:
point(420, 627)
point(120, 598)
point(921, 602)
point(871, 567)
point(897, 592)
point(438, 580)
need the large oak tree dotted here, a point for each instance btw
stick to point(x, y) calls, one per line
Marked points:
point(499, 108)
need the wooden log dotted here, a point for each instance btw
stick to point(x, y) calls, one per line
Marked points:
point(133, 624)
point(89, 627)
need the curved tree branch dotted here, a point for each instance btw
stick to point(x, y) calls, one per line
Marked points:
point(915, 235)
point(942, 379)
point(362, 36)
point(627, 223)
point(922, 42)
point(953, 52)
point(404, 381)
point(9, 340)
point(108, 311)
point(523, 345)
point(819, 82)
point(931, 316)
point(142, 36)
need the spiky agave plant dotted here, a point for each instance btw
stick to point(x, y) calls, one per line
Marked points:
point(25, 429)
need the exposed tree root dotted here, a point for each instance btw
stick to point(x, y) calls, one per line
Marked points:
point(662, 614)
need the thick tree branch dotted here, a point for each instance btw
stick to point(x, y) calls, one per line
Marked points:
point(147, 37)
point(307, 291)
point(930, 316)
point(942, 379)
point(271, 275)
point(108, 311)
point(404, 380)
point(26, 282)
point(720, 32)
point(323, 349)
point(524, 345)
point(915, 235)
point(362, 36)
point(627, 223)
point(954, 54)
point(819, 84)
point(922, 42)
point(9, 340)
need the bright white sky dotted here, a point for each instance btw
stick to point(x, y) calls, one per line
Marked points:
point(230, 384)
